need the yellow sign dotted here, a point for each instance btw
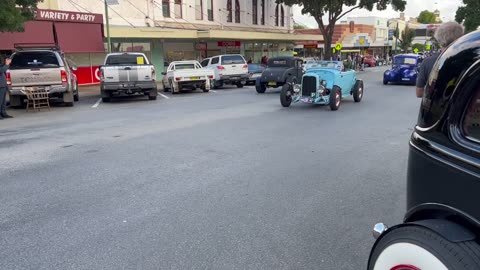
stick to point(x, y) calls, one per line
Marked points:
point(415, 50)
point(338, 46)
point(361, 41)
point(428, 47)
point(333, 50)
point(140, 60)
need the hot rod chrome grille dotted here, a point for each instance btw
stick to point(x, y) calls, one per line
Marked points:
point(309, 85)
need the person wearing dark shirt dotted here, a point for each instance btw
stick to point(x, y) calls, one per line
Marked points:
point(446, 34)
point(3, 89)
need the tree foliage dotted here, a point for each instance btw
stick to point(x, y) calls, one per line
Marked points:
point(13, 13)
point(333, 10)
point(406, 38)
point(427, 17)
point(469, 15)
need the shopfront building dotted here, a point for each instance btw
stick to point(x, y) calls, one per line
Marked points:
point(78, 35)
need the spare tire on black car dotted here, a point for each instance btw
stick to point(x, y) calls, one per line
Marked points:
point(260, 87)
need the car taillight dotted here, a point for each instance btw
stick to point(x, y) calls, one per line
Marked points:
point(102, 75)
point(178, 79)
point(245, 66)
point(9, 79)
point(221, 67)
point(63, 74)
point(210, 77)
point(154, 77)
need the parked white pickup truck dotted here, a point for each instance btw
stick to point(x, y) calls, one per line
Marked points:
point(183, 75)
point(127, 73)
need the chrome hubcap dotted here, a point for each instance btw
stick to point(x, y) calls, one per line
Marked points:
point(360, 92)
point(337, 99)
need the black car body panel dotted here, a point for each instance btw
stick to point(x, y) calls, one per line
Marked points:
point(443, 178)
point(280, 70)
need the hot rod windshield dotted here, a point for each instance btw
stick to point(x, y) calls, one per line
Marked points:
point(405, 61)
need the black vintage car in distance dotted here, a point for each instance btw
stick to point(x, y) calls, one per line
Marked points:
point(441, 228)
point(279, 71)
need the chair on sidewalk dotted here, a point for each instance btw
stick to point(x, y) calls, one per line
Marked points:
point(37, 99)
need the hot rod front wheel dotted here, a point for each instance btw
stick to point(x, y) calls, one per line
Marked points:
point(286, 95)
point(335, 98)
point(414, 248)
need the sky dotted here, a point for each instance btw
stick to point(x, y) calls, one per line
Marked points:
point(414, 7)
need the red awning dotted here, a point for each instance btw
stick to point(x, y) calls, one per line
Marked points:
point(79, 37)
point(36, 32)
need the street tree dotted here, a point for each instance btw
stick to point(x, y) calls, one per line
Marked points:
point(468, 14)
point(405, 38)
point(427, 17)
point(333, 10)
point(13, 14)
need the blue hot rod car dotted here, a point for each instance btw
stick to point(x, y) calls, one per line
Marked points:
point(326, 85)
point(404, 69)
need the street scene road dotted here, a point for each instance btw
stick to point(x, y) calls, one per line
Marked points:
point(222, 180)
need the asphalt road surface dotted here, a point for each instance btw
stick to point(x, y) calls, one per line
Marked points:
point(223, 180)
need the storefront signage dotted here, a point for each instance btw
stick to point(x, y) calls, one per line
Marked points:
point(201, 46)
point(65, 16)
point(229, 44)
point(310, 46)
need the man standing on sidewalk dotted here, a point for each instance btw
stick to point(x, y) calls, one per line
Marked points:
point(3, 89)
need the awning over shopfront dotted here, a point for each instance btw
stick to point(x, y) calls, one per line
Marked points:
point(72, 32)
point(79, 37)
point(36, 32)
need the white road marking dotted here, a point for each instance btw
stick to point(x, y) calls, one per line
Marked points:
point(213, 91)
point(97, 103)
point(164, 96)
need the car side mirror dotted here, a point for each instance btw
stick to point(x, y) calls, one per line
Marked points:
point(164, 73)
point(74, 68)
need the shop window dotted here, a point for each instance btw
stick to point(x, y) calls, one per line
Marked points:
point(276, 14)
point(254, 12)
point(210, 10)
point(262, 18)
point(199, 9)
point(282, 16)
point(229, 11)
point(166, 8)
point(237, 11)
point(178, 9)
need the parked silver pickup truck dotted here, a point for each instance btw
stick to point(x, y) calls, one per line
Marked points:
point(44, 68)
point(127, 74)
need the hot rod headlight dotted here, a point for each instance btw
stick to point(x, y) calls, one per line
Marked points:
point(297, 88)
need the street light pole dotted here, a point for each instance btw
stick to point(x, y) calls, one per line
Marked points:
point(109, 42)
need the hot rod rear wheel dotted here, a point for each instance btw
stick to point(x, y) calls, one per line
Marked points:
point(358, 91)
point(335, 98)
point(414, 247)
point(260, 87)
point(286, 95)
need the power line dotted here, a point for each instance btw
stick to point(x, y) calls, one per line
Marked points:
point(102, 1)
point(174, 15)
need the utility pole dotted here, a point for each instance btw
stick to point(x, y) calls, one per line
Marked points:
point(397, 32)
point(109, 42)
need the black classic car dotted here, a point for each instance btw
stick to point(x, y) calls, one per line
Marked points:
point(279, 71)
point(441, 228)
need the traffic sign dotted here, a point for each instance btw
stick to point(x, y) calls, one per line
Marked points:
point(428, 47)
point(415, 50)
point(338, 46)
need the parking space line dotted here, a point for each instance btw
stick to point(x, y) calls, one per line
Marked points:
point(213, 91)
point(164, 96)
point(97, 103)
